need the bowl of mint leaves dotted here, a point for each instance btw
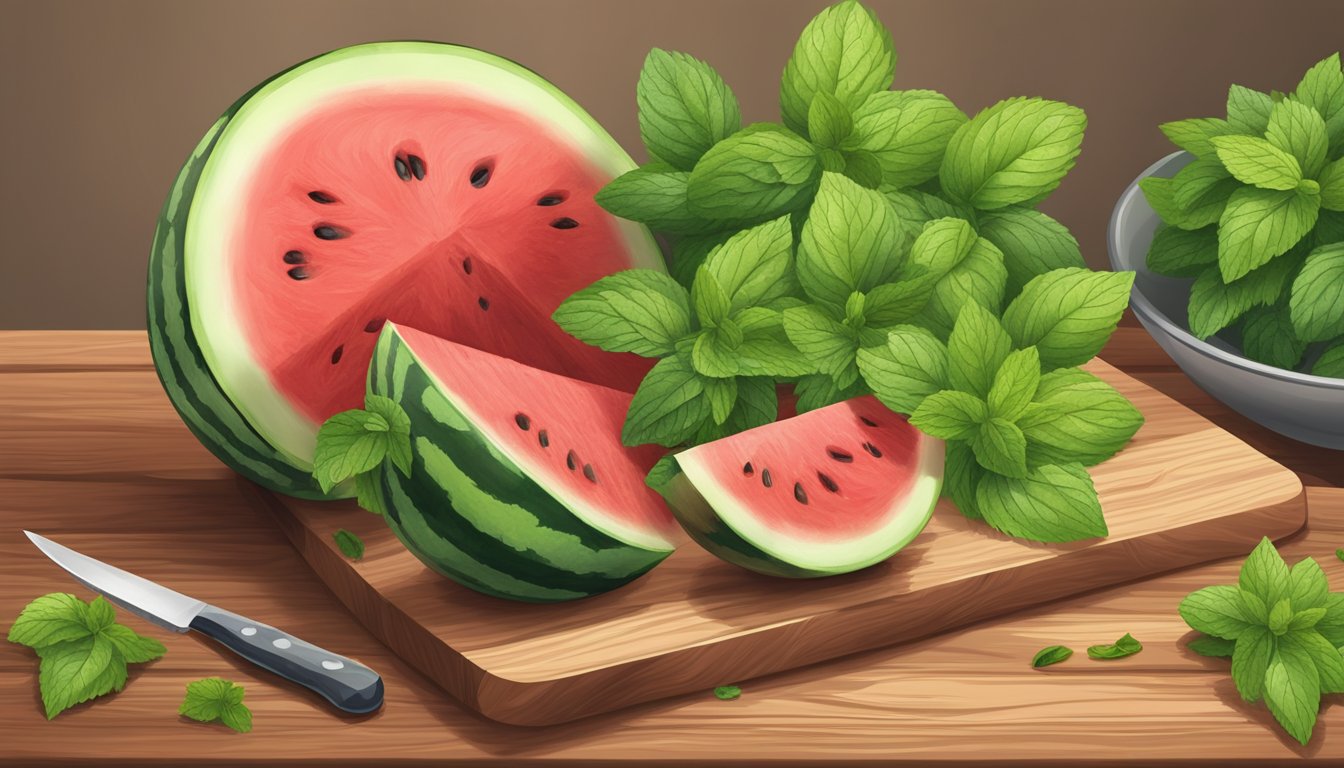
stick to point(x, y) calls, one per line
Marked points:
point(1237, 242)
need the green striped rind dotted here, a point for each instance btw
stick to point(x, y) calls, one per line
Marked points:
point(192, 389)
point(473, 515)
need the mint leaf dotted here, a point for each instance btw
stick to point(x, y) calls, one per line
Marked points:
point(727, 692)
point(134, 647)
point(950, 415)
point(862, 166)
point(1217, 611)
point(1053, 654)
point(214, 699)
point(1201, 190)
point(1053, 503)
point(368, 493)
point(1331, 625)
point(820, 390)
point(1077, 417)
point(350, 545)
point(1325, 657)
point(755, 266)
point(1177, 252)
point(757, 404)
point(1000, 447)
point(1258, 162)
point(969, 270)
point(1250, 660)
point(1261, 224)
point(1331, 361)
point(1267, 336)
point(708, 298)
point(758, 172)
point(1264, 574)
point(1013, 152)
point(397, 438)
point(668, 406)
point(828, 121)
point(1300, 131)
point(1248, 110)
point(1215, 647)
point(899, 302)
point(1308, 586)
point(961, 476)
point(654, 194)
point(1322, 88)
point(78, 670)
point(1317, 302)
point(50, 620)
point(663, 472)
point(722, 396)
point(910, 367)
point(684, 108)
point(688, 253)
point(1332, 186)
point(906, 132)
point(976, 349)
point(1193, 135)
point(348, 443)
point(1214, 305)
point(1293, 689)
point(1161, 197)
point(822, 339)
point(1125, 646)
point(851, 242)
point(1031, 243)
point(845, 52)
point(638, 310)
point(1068, 314)
point(1015, 384)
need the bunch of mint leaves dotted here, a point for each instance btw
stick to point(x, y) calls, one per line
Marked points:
point(352, 444)
point(83, 650)
point(838, 252)
point(1283, 629)
point(1257, 219)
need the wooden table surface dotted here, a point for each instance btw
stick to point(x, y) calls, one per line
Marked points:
point(92, 454)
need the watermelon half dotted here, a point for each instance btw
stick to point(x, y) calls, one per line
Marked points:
point(423, 183)
point(830, 491)
point(519, 484)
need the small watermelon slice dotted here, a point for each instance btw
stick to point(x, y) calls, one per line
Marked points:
point(830, 491)
point(425, 183)
point(519, 485)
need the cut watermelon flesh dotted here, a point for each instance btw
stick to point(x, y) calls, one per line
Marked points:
point(830, 490)
point(563, 433)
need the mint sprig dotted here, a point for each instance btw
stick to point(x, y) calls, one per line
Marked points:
point(1282, 628)
point(352, 444)
point(216, 700)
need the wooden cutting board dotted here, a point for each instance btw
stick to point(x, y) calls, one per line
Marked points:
point(1184, 491)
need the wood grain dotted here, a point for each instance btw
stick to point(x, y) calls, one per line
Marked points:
point(1182, 492)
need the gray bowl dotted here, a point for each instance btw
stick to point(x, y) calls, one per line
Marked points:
point(1301, 406)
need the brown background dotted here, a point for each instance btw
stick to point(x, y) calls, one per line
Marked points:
point(101, 101)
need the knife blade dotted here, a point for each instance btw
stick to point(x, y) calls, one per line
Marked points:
point(347, 684)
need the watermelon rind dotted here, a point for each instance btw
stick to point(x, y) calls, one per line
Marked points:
point(472, 513)
point(197, 340)
point(725, 524)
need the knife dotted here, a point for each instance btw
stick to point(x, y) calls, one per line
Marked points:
point(347, 684)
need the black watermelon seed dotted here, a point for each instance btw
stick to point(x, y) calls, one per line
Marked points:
point(868, 421)
point(549, 200)
point(295, 257)
point(765, 478)
point(466, 265)
point(373, 325)
point(827, 482)
point(403, 170)
point(321, 197)
point(564, 223)
point(522, 421)
point(298, 273)
point(481, 176)
point(544, 439)
point(843, 457)
point(417, 167)
point(748, 470)
point(589, 473)
point(484, 302)
point(869, 447)
point(336, 354)
point(328, 232)
point(799, 493)
point(571, 460)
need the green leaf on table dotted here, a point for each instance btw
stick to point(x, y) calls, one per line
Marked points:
point(852, 241)
point(1177, 252)
point(1053, 654)
point(961, 477)
point(906, 132)
point(1293, 689)
point(1000, 447)
point(828, 121)
point(1264, 574)
point(1193, 135)
point(1267, 336)
point(950, 415)
point(638, 310)
point(1053, 503)
point(1125, 646)
point(1322, 89)
point(727, 692)
point(1013, 152)
point(1031, 243)
point(1068, 314)
point(758, 172)
point(1213, 647)
point(1214, 304)
point(1261, 224)
point(1015, 384)
point(51, 619)
point(350, 544)
point(1077, 417)
point(1316, 305)
point(1331, 361)
point(911, 366)
point(668, 406)
point(755, 266)
point(1248, 110)
point(845, 52)
point(976, 349)
point(1255, 161)
point(1217, 611)
point(1299, 130)
point(214, 699)
point(684, 108)
point(655, 195)
point(134, 647)
point(1325, 657)
point(1308, 586)
point(75, 671)
point(1250, 660)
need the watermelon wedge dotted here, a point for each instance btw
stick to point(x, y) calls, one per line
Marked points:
point(830, 491)
point(423, 183)
point(519, 485)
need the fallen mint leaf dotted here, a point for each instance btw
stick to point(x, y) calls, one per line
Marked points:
point(1052, 655)
point(350, 545)
point(727, 692)
point(214, 699)
point(1125, 646)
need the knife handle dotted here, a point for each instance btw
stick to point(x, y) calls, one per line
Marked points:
point(346, 683)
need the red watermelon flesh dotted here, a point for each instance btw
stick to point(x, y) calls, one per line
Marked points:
point(453, 215)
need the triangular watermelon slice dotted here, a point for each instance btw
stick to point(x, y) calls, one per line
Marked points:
point(519, 485)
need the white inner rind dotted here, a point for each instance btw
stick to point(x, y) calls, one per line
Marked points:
point(906, 517)
point(221, 195)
